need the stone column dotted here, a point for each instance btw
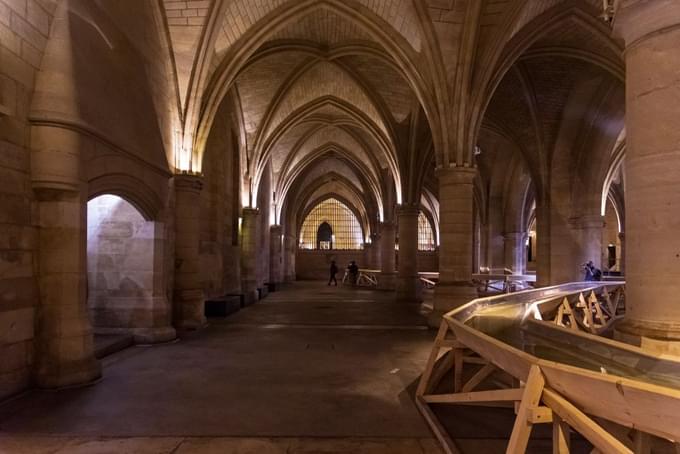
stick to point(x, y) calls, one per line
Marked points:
point(408, 283)
point(290, 246)
point(588, 234)
point(514, 245)
point(455, 286)
point(249, 234)
point(388, 275)
point(651, 32)
point(64, 343)
point(622, 253)
point(374, 256)
point(189, 300)
point(275, 254)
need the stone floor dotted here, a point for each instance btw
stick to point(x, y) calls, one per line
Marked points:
point(309, 369)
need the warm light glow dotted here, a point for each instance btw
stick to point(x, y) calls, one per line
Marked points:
point(425, 234)
point(344, 227)
point(182, 154)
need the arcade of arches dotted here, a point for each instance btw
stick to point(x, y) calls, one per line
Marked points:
point(158, 154)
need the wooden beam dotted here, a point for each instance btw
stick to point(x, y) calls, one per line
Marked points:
point(481, 375)
point(642, 443)
point(599, 437)
point(561, 436)
point(498, 395)
point(444, 439)
point(521, 431)
point(540, 415)
point(434, 353)
point(457, 369)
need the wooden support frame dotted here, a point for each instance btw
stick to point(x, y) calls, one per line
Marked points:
point(616, 413)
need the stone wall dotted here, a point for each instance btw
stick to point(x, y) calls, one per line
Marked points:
point(315, 265)
point(428, 261)
point(24, 27)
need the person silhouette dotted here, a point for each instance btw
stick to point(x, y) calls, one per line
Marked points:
point(333, 271)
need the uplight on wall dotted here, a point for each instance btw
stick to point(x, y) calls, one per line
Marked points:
point(183, 162)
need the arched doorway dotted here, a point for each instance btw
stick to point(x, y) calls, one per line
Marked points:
point(324, 236)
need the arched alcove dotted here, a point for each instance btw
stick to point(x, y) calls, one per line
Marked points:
point(125, 272)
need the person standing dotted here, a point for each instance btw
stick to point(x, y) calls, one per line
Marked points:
point(333, 271)
point(353, 272)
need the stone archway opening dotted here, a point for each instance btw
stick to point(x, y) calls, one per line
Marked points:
point(125, 291)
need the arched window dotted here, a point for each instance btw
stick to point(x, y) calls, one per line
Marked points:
point(425, 234)
point(331, 225)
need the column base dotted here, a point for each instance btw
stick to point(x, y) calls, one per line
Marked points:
point(660, 338)
point(60, 374)
point(409, 289)
point(192, 307)
point(448, 297)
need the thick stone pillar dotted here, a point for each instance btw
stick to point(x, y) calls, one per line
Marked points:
point(455, 286)
point(275, 254)
point(588, 234)
point(374, 254)
point(189, 300)
point(622, 253)
point(514, 245)
point(408, 283)
point(249, 235)
point(64, 341)
point(651, 31)
point(290, 246)
point(388, 275)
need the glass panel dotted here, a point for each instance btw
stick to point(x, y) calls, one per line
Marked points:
point(425, 234)
point(345, 231)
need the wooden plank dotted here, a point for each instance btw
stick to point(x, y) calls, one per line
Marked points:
point(521, 431)
point(540, 415)
point(434, 353)
point(561, 436)
point(441, 368)
point(478, 378)
point(474, 360)
point(457, 369)
point(644, 406)
point(599, 437)
point(444, 439)
point(497, 395)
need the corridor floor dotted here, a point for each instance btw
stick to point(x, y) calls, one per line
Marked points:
point(307, 369)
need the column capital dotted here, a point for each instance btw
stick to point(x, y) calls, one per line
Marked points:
point(622, 236)
point(408, 209)
point(455, 175)
point(188, 182)
point(275, 229)
point(250, 211)
point(635, 20)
